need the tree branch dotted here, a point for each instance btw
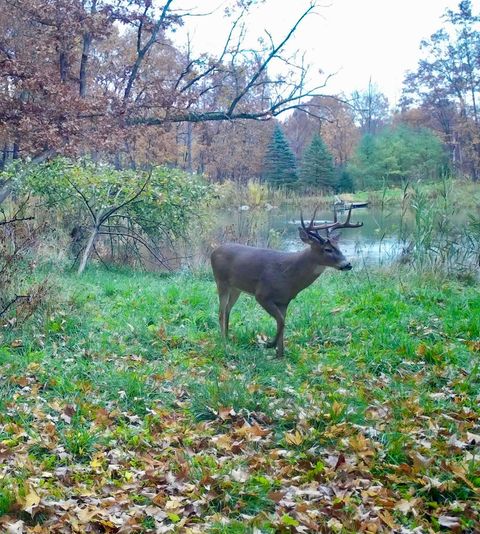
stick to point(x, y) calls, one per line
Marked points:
point(142, 51)
point(140, 240)
point(85, 200)
point(274, 51)
point(16, 219)
point(114, 209)
point(12, 302)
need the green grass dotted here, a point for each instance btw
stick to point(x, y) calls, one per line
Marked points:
point(124, 388)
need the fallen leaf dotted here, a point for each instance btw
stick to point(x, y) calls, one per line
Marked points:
point(16, 528)
point(404, 506)
point(474, 346)
point(239, 475)
point(340, 461)
point(290, 521)
point(448, 521)
point(294, 438)
point(226, 413)
point(338, 407)
point(387, 519)
point(32, 500)
point(85, 515)
point(334, 524)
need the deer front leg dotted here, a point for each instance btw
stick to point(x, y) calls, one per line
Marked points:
point(223, 296)
point(228, 296)
point(232, 298)
point(278, 311)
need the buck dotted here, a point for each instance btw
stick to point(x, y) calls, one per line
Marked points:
point(274, 277)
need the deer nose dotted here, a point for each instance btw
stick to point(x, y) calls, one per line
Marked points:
point(346, 267)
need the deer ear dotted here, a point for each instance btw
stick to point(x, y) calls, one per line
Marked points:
point(335, 237)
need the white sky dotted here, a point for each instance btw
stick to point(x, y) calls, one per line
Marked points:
point(357, 39)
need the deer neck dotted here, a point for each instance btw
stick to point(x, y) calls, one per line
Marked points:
point(306, 269)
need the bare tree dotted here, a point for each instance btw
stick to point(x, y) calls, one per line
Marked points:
point(370, 107)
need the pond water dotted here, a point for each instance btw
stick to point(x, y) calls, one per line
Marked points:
point(377, 242)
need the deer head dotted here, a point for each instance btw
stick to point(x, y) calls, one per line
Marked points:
point(325, 249)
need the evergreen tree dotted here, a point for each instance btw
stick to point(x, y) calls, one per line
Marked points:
point(397, 154)
point(317, 168)
point(345, 182)
point(280, 164)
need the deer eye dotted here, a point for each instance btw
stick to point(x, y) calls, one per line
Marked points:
point(328, 249)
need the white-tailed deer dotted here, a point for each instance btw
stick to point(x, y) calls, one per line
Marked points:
point(275, 277)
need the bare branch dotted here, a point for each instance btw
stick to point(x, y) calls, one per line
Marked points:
point(114, 209)
point(136, 237)
point(142, 51)
point(268, 59)
point(16, 219)
point(85, 200)
point(218, 61)
point(12, 302)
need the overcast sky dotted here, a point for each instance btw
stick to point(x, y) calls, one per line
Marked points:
point(357, 39)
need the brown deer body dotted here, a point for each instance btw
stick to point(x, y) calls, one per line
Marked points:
point(273, 277)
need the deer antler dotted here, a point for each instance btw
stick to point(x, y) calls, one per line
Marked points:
point(336, 225)
point(310, 226)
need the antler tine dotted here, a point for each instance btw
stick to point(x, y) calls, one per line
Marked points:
point(311, 226)
point(301, 220)
point(348, 224)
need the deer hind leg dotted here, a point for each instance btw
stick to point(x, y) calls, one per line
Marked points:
point(278, 311)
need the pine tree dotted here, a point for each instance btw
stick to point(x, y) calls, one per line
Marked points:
point(317, 170)
point(345, 182)
point(280, 164)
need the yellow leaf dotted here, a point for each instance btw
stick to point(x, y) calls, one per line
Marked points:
point(106, 523)
point(85, 515)
point(96, 462)
point(32, 500)
point(358, 443)
point(387, 519)
point(338, 407)
point(294, 438)
point(474, 346)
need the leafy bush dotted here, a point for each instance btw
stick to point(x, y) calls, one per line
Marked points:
point(130, 210)
point(19, 296)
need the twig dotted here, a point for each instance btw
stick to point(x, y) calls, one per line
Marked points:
point(12, 302)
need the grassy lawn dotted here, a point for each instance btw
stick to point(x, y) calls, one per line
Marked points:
point(122, 411)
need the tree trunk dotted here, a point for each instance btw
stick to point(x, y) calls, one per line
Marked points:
point(87, 41)
point(88, 250)
point(3, 160)
point(189, 146)
point(63, 66)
